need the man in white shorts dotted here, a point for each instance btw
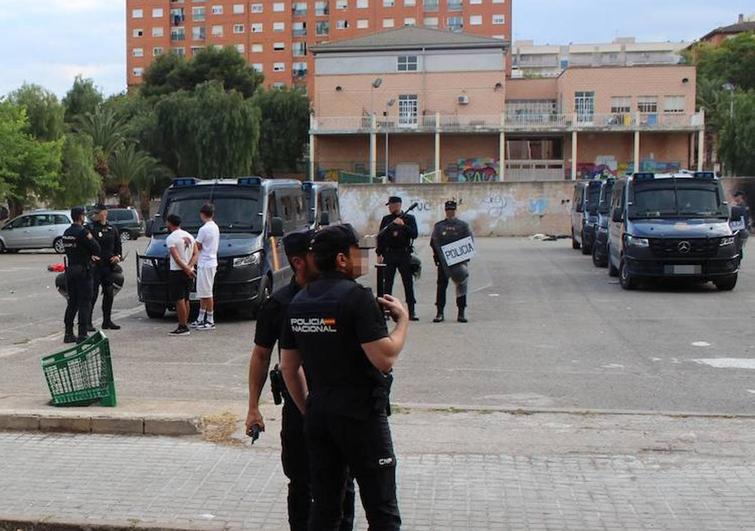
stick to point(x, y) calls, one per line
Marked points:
point(207, 242)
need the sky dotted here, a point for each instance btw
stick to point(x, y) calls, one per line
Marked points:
point(49, 42)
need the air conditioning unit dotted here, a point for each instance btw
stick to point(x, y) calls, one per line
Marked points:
point(463, 99)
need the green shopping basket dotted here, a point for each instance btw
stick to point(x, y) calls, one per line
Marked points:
point(82, 374)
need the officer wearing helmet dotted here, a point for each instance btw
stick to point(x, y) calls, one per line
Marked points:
point(110, 256)
point(81, 251)
point(447, 231)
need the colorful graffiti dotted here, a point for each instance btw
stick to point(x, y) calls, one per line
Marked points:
point(602, 167)
point(473, 171)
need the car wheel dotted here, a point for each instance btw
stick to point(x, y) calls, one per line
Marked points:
point(125, 236)
point(58, 246)
point(2, 247)
point(597, 261)
point(626, 280)
point(585, 248)
point(574, 243)
point(726, 283)
point(155, 311)
point(612, 271)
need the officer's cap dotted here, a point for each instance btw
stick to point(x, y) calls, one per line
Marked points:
point(450, 205)
point(77, 212)
point(393, 199)
point(297, 243)
point(99, 207)
point(334, 239)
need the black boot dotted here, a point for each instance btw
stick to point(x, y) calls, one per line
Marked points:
point(412, 313)
point(91, 328)
point(439, 318)
point(462, 318)
point(110, 325)
point(69, 337)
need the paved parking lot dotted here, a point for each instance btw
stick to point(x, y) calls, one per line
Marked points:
point(547, 330)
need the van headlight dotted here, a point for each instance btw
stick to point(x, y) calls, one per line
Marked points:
point(729, 240)
point(248, 260)
point(637, 242)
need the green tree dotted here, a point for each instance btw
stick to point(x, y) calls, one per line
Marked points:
point(108, 132)
point(738, 134)
point(170, 73)
point(732, 62)
point(43, 110)
point(129, 167)
point(284, 128)
point(79, 183)
point(83, 98)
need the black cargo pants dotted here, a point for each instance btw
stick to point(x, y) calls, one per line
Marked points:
point(401, 261)
point(79, 287)
point(103, 276)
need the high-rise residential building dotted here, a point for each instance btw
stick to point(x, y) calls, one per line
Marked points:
point(275, 36)
point(549, 60)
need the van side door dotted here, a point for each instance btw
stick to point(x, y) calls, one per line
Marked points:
point(616, 228)
point(577, 211)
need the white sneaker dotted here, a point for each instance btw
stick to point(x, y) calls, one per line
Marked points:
point(206, 326)
point(196, 324)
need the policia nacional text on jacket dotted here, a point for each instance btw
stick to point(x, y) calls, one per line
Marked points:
point(336, 330)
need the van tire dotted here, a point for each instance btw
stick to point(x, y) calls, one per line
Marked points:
point(612, 271)
point(585, 249)
point(574, 243)
point(266, 289)
point(155, 311)
point(626, 280)
point(2, 247)
point(726, 283)
point(597, 261)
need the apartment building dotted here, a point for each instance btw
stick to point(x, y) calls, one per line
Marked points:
point(546, 60)
point(276, 36)
point(428, 105)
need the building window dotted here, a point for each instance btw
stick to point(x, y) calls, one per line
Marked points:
point(198, 33)
point(279, 67)
point(279, 46)
point(257, 27)
point(499, 19)
point(322, 27)
point(410, 3)
point(342, 24)
point(177, 34)
point(278, 85)
point(407, 110)
point(584, 105)
point(238, 9)
point(363, 4)
point(180, 52)
point(299, 49)
point(647, 104)
point(389, 3)
point(217, 10)
point(299, 69)
point(157, 52)
point(475, 2)
point(197, 14)
point(455, 23)
point(410, 21)
point(342, 4)
point(279, 26)
point(300, 9)
point(138, 72)
point(257, 67)
point(321, 9)
point(238, 28)
point(138, 52)
point(256, 48)
point(158, 31)
point(530, 110)
point(455, 5)
point(499, 1)
point(299, 29)
point(475, 20)
point(157, 12)
point(257, 8)
point(279, 7)
point(430, 22)
point(430, 5)
point(177, 16)
point(138, 33)
point(407, 63)
point(137, 13)
point(388, 23)
point(363, 23)
point(240, 48)
point(217, 31)
point(673, 104)
point(621, 104)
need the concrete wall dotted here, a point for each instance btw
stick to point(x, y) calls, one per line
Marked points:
point(492, 209)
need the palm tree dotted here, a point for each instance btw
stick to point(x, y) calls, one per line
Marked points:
point(108, 133)
point(129, 166)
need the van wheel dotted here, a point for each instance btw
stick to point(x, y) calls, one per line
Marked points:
point(626, 280)
point(266, 289)
point(58, 246)
point(2, 247)
point(597, 261)
point(612, 271)
point(585, 249)
point(574, 243)
point(726, 283)
point(155, 311)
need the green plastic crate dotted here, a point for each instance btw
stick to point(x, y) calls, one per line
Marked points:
point(82, 374)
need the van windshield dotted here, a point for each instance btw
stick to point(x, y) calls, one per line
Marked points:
point(593, 197)
point(653, 202)
point(234, 212)
point(605, 199)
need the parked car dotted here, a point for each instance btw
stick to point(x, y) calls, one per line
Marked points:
point(127, 220)
point(584, 214)
point(600, 246)
point(322, 203)
point(672, 226)
point(41, 229)
point(253, 214)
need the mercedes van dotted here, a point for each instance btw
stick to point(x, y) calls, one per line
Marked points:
point(322, 203)
point(584, 214)
point(600, 246)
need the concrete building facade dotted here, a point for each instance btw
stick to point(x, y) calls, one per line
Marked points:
point(275, 36)
point(424, 105)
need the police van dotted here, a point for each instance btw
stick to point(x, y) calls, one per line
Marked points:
point(322, 203)
point(584, 214)
point(600, 245)
point(253, 215)
point(673, 225)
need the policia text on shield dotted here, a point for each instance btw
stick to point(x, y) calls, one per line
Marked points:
point(337, 332)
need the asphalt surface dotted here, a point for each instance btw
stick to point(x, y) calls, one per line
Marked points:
point(547, 330)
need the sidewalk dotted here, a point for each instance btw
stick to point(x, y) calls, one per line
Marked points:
point(652, 472)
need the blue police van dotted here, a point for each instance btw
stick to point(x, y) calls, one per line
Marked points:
point(672, 226)
point(600, 245)
point(322, 203)
point(584, 214)
point(253, 215)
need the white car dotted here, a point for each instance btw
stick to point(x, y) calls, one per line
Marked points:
point(42, 229)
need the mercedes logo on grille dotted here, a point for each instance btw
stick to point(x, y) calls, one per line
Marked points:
point(684, 247)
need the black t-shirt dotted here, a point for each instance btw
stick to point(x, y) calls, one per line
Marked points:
point(270, 317)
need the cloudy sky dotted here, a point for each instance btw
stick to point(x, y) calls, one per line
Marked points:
point(49, 42)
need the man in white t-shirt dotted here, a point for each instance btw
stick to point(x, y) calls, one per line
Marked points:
point(180, 278)
point(207, 242)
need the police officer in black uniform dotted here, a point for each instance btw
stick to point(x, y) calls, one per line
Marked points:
point(336, 330)
point(394, 248)
point(447, 231)
point(110, 254)
point(81, 250)
point(294, 453)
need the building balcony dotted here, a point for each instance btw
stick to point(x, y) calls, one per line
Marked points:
point(509, 123)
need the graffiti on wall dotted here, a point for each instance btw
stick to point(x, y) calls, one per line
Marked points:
point(606, 166)
point(479, 170)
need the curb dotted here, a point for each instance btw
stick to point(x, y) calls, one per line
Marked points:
point(121, 425)
point(51, 524)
